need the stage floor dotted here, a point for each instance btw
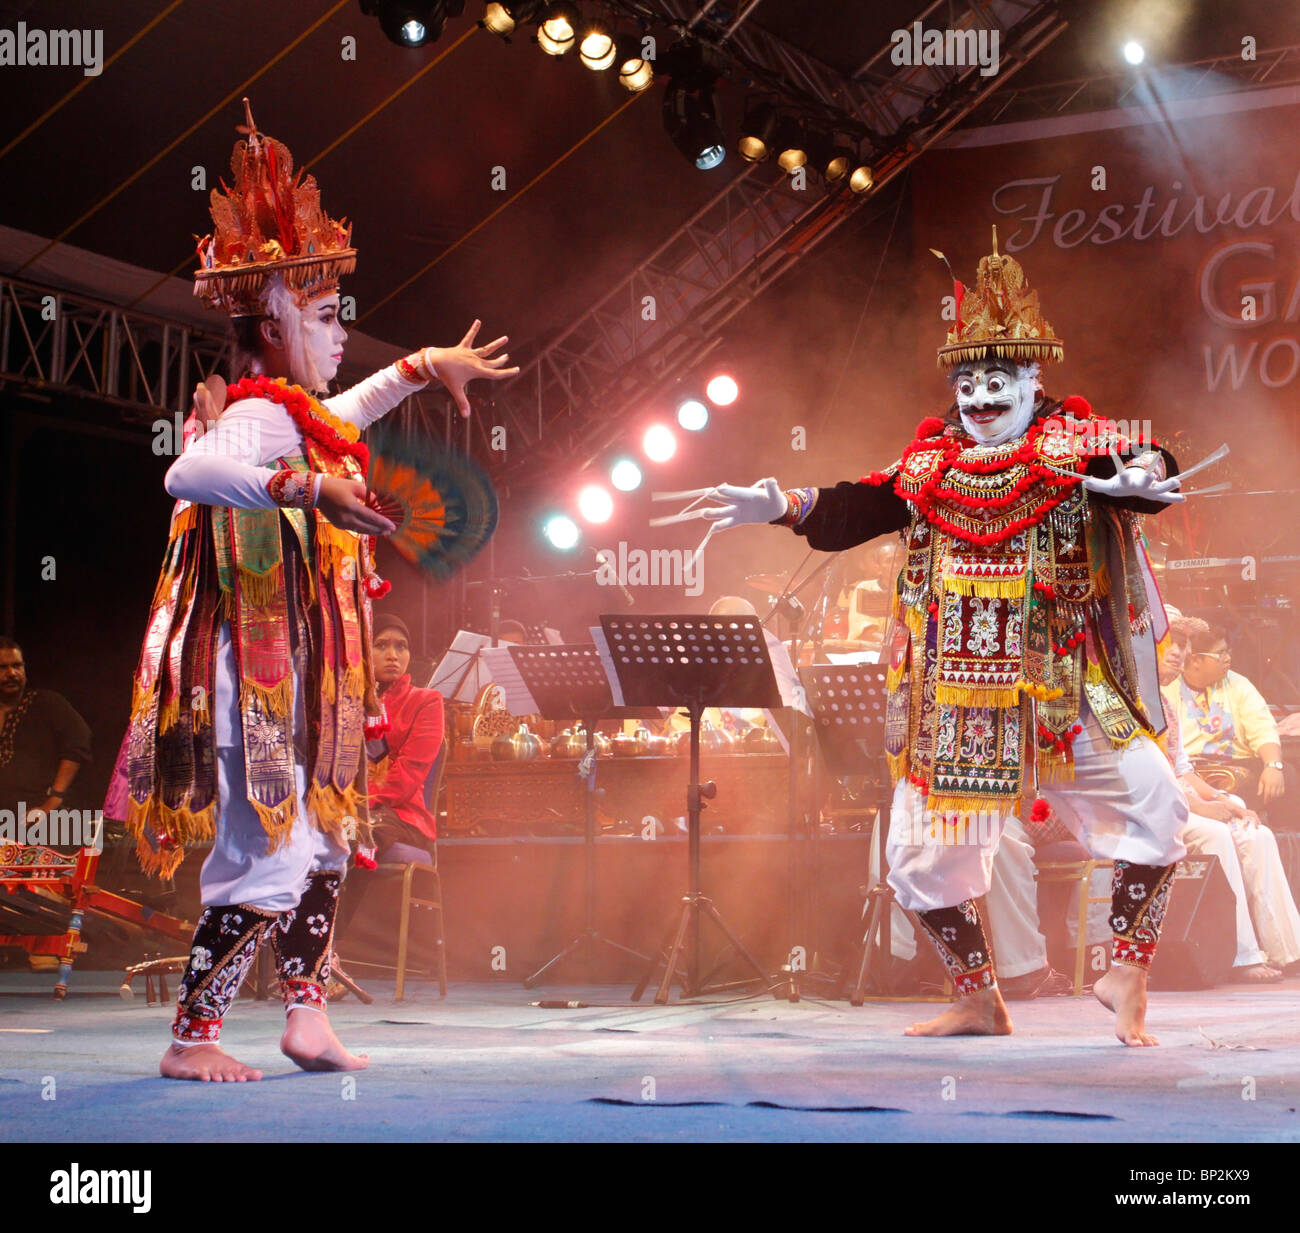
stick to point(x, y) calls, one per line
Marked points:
point(486, 1065)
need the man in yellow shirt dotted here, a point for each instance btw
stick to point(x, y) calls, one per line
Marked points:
point(1225, 720)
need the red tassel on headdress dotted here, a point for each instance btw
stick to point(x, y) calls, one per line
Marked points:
point(377, 587)
point(377, 725)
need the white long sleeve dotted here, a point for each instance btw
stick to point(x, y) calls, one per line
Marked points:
point(228, 465)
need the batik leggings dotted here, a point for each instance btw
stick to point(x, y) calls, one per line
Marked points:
point(225, 945)
point(1139, 894)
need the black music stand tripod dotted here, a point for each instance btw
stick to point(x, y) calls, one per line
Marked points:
point(693, 662)
point(569, 682)
point(848, 706)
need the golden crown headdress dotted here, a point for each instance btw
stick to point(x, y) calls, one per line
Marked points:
point(269, 222)
point(1000, 319)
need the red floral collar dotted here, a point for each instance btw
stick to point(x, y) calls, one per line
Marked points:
point(940, 485)
point(313, 419)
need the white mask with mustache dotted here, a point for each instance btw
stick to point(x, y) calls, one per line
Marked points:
point(1002, 395)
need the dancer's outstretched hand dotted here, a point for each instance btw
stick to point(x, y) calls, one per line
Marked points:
point(343, 502)
point(764, 502)
point(459, 365)
point(1134, 482)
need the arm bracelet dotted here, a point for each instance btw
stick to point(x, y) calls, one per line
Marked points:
point(293, 489)
point(799, 503)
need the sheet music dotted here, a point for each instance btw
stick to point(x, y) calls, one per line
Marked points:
point(787, 681)
point(453, 666)
point(502, 670)
point(607, 663)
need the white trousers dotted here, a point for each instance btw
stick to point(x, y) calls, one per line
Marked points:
point(240, 868)
point(1268, 925)
point(1122, 804)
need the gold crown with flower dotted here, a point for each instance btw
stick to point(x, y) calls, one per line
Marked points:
point(1000, 319)
point(269, 222)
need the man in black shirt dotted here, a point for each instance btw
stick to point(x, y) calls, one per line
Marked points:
point(43, 741)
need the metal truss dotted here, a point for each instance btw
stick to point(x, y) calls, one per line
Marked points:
point(572, 399)
point(58, 342)
point(1274, 66)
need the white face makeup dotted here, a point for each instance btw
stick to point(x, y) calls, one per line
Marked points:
point(996, 398)
point(323, 336)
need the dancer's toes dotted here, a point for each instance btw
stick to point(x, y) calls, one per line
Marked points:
point(1123, 990)
point(979, 1014)
point(206, 1063)
point(309, 1042)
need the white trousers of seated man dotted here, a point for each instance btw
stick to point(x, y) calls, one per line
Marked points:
point(1268, 924)
point(1121, 804)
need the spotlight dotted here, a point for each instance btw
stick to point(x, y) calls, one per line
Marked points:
point(412, 23)
point(757, 132)
point(558, 31)
point(634, 73)
point(595, 504)
point(691, 119)
point(1134, 52)
point(659, 443)
point(862, 180)
point(625, 475)
point(692, 415)
point(832, 159)
point(722, 390)
point(561, 532)
point(499, 19)
point(597, 49)
point(792, 144)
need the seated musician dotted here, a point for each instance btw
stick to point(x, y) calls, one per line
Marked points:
point(1227, 725)
point(400, 763)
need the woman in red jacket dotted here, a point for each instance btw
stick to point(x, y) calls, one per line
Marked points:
point(400, 772)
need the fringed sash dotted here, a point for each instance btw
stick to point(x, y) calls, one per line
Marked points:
point(227, 564)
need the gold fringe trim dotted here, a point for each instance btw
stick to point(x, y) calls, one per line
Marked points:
point(914, 619)
point(262, 590)
point(354, 680)
point(988, 588)
point(183, 825)
point(934, 803)
point(329, 686)
point(184, 521)
point(276, 699)
point(203, 712)
point(1043, 693)
point(277, 820)
point(1101, 580)
point(329, 808)
point(894, 677)
point(898, 765)
point(977, 696)
point(169, 714)
point(1094, 674)
point(1054, 770)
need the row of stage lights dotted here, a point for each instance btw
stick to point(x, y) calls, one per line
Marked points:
point(595, 504)
point(690, 109)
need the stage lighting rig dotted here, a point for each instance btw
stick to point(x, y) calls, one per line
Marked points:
point(757, 131)
point(559, 29)
point(412, 23)
point(503, 19)
point(635, 73)
point(690, 108)
point(596, 48)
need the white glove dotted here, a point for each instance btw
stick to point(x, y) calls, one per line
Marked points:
point(764, 502)
point(1130, 481)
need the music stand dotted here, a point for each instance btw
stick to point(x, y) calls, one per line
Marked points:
point(692, 661)
point(848, 706)
point(567, 682)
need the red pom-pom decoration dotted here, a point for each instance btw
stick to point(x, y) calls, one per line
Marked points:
point(1040, 811)
point(377, 587)
point(931, 426)
point(1079, 408)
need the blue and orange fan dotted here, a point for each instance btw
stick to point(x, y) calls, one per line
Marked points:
point(442, 501)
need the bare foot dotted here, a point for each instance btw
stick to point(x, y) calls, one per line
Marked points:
point(1123, 990)
point(979, 1014)
point(207, 1063)
point(309, 1041)
point(1255, 974)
